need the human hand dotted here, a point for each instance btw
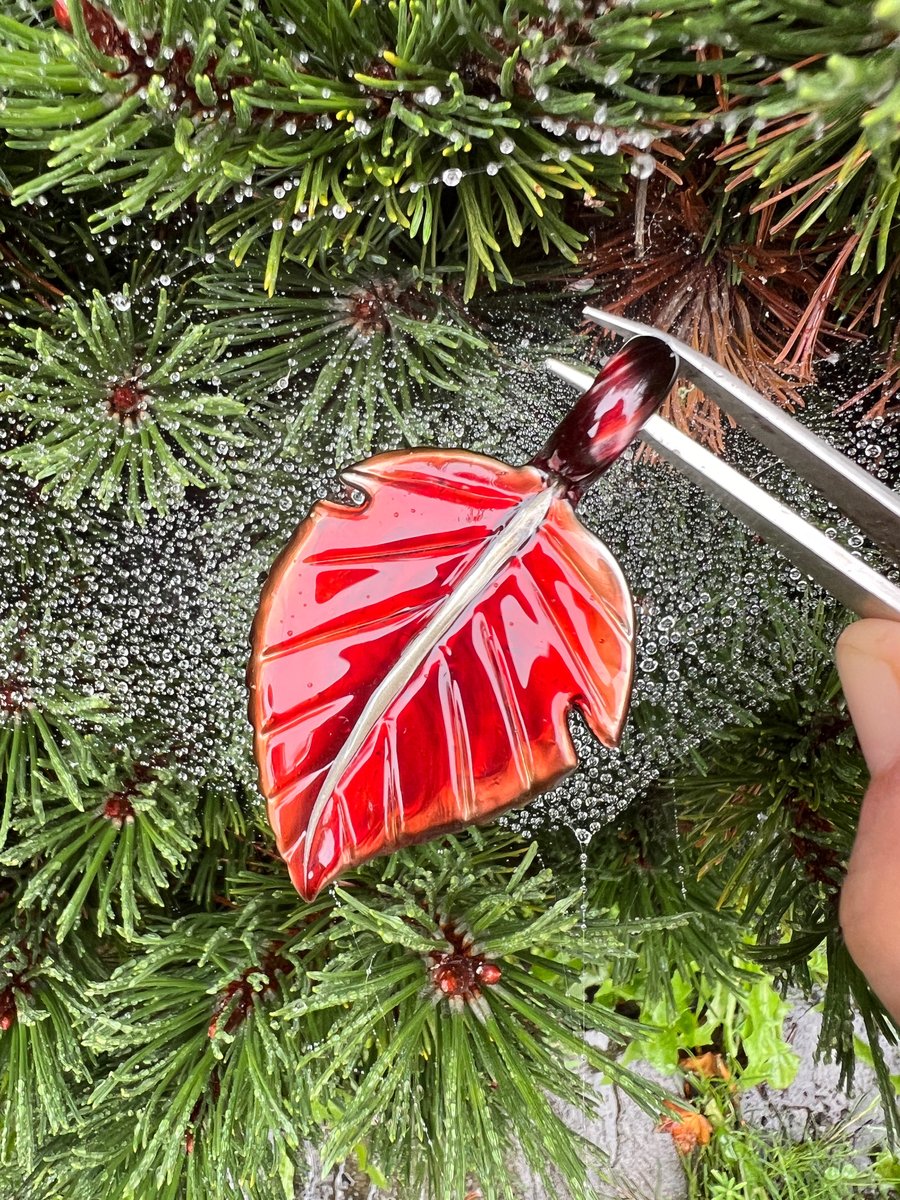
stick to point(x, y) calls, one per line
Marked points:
point(868, 661)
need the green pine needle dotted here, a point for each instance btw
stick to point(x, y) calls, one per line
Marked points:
point(122, 399)
point(119, 852)
point(642, 870)
point(226, 816)
point(42, 1020)
point(48, 747)
point(438, 1087)
point(338, 127)
point(793, 804)
point(823, 143)
point(363, 351)
point(204, 1092)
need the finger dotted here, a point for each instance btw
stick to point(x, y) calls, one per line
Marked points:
point(870, 897)
point(868, 659)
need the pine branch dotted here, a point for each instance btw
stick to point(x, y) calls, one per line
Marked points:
point(42, 1017)
point(768, 816)
point(202, 1067)
point(117, 852)
point(823, 143)
point(455, 1014)
point(257, 110)
point(226, 816)
point(49, 743)
point(216, 1094)
point(643, 871)
point(847, 995)
point(685, 260)
point(365, 349)
point(793, 805)
point(124, 402)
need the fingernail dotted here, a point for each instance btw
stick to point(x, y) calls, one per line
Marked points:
point(868, 662)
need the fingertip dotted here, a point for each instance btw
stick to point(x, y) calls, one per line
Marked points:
point(868, 662)
point(873, 636)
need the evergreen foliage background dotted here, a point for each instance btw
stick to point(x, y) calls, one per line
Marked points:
point(241, 244)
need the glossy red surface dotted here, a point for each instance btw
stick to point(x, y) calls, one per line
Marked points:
point(482, 726)
point(479, 725)
point(607, 417)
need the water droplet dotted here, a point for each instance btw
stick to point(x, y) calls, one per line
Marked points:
point(643, 166)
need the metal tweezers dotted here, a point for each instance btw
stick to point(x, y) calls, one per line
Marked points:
point(870, 505)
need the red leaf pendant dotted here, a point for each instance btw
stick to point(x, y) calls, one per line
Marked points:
point(414, 658)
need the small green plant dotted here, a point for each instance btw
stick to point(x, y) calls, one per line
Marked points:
point(52, 721)
point(743, 1025)
point(741, 1163)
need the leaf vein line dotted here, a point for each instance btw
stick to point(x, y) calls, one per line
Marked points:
point(506, 542)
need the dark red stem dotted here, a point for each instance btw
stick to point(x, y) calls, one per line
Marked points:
point(607, 417)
